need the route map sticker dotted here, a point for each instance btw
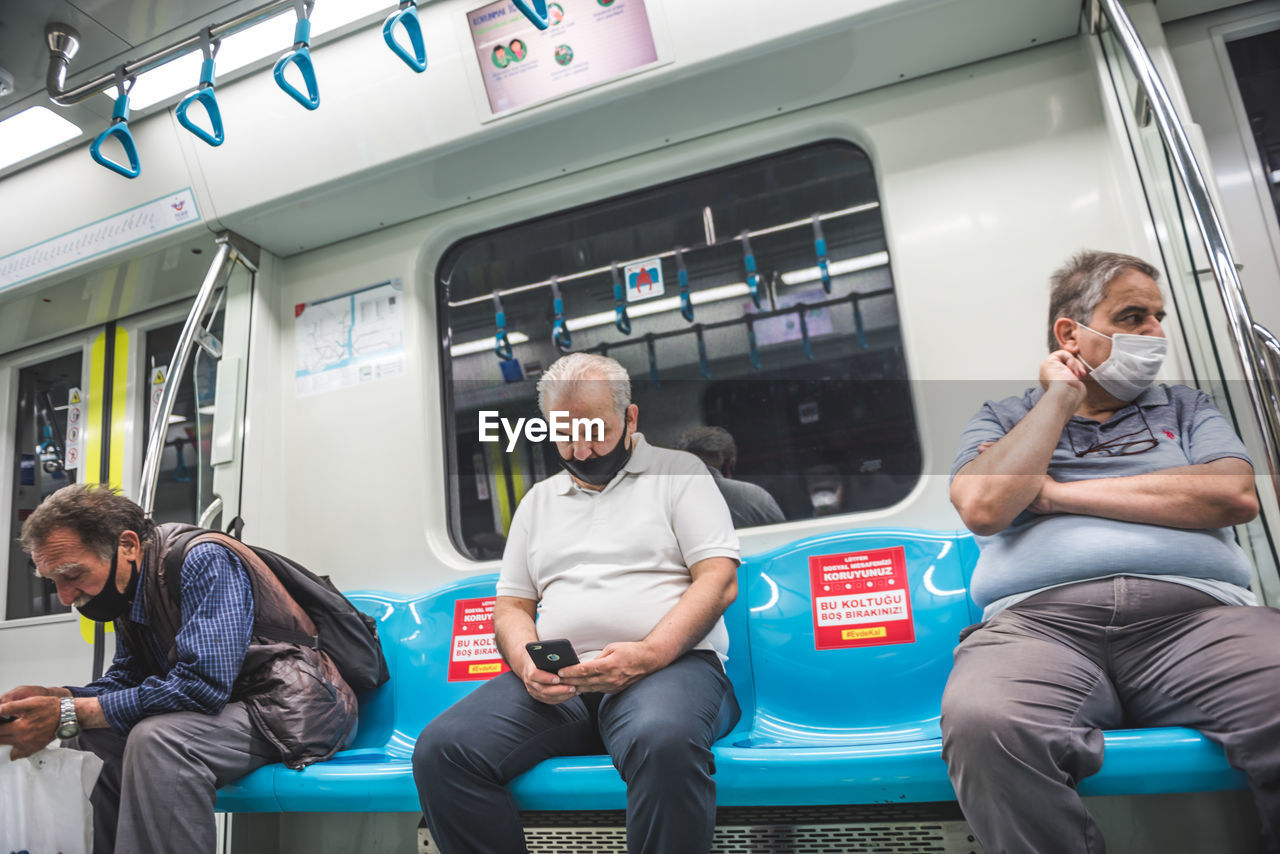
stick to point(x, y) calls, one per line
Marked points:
point(350, 339)
point(861, 599)
point(474, 651)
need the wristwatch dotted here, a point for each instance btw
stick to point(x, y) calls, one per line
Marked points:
point(68, 725)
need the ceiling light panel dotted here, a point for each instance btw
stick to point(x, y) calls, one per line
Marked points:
point(32, 131)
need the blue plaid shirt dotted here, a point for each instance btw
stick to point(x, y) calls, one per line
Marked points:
point(217, 618)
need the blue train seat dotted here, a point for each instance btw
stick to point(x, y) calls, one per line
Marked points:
point(853, 722)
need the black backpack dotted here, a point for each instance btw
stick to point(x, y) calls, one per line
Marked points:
point(347, 634)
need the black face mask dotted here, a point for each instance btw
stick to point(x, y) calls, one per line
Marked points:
point(110, 603)
point(598, 471)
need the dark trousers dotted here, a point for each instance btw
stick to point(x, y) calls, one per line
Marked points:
point(1033, 688)
point(659, 732)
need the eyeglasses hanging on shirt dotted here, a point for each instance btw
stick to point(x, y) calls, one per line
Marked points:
point(1120, 446)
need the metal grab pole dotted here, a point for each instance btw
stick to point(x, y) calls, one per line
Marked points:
point(219, 271)
point(1221, 262)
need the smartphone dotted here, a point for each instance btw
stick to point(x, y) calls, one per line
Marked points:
point(7, 719)
point(551, 655)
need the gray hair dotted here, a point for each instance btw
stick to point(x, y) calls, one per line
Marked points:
point(1078, 286)
point(95, 514)
point(567, 375)
point(713, 445)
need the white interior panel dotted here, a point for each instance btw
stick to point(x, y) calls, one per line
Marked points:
point(356, 484)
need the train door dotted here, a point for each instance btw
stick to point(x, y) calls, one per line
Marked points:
point(79, 409)
point(1228, 353)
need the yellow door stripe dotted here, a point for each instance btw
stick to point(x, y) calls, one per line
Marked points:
point(119, 415)
point(519, 483)
point(91, 471)
point(93, 423)
point(500, 486)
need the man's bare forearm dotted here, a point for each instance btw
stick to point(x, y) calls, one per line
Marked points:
point(1002, 481)
point(1213, 495)
point(513, 627)
point(714, 587)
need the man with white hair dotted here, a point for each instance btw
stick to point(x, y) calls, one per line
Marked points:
point(630, 554)
point(1114, 592)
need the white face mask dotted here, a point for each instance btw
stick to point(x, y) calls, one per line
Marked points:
point(1132, 366)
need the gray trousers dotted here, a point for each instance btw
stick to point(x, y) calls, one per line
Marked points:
point(156, 791)
point(659, 733)
point(1033, 688)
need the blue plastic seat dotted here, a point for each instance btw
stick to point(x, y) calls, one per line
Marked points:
point(819, 726)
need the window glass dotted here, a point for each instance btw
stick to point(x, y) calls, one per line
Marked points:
point(1256, 63)
point(818, 406)
point(184, 487)
point(39, 459)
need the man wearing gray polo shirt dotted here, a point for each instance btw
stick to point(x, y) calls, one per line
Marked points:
point(1114, 592)
point(630, 554)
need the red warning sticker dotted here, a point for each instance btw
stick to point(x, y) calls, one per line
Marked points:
point(861, 599)
point(474, 652)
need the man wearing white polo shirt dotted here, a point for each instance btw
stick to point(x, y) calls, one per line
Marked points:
point(629, 553)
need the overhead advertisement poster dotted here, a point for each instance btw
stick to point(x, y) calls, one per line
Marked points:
point(350, 339)
point(589, 42)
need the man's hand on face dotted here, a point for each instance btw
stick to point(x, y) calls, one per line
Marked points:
point(37, 721)
point(1061, 370)
point(545, 687)
point(619, 666)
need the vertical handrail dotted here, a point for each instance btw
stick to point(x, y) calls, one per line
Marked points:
point(219, 271)
point(1271, 347)
point(1253, 361)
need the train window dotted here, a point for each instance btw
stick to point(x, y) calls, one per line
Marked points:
point(786, 333)
point(184, 488)
point(39, 460)
point(1256, 63)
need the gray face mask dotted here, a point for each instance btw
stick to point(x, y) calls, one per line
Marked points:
point(1132, 366)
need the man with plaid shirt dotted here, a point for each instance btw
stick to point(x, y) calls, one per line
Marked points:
point(187, 705)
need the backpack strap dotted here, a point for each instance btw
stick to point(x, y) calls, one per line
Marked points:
point(252, 564)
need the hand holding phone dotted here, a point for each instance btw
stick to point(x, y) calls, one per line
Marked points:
point(551, 655)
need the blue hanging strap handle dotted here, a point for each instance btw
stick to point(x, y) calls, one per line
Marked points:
point(300, 56)
point(536, 11)
point(682, 274)
point(204, 94)
point(753, 349)
point(749, 262)
point(858, 325)
point(704, 365)
point(407, 17)
point(620, 318)
point(501, 343)
point(653, 359)
point(559, 328)
point(801, 311)
point(820, 248)
point(119, 129)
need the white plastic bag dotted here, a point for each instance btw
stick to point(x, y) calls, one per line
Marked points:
point(44, 802)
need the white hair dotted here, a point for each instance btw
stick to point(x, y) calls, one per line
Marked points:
point(567, 375)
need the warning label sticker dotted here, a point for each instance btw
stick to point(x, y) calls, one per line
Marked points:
point(474, 651)
point(861, 599)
